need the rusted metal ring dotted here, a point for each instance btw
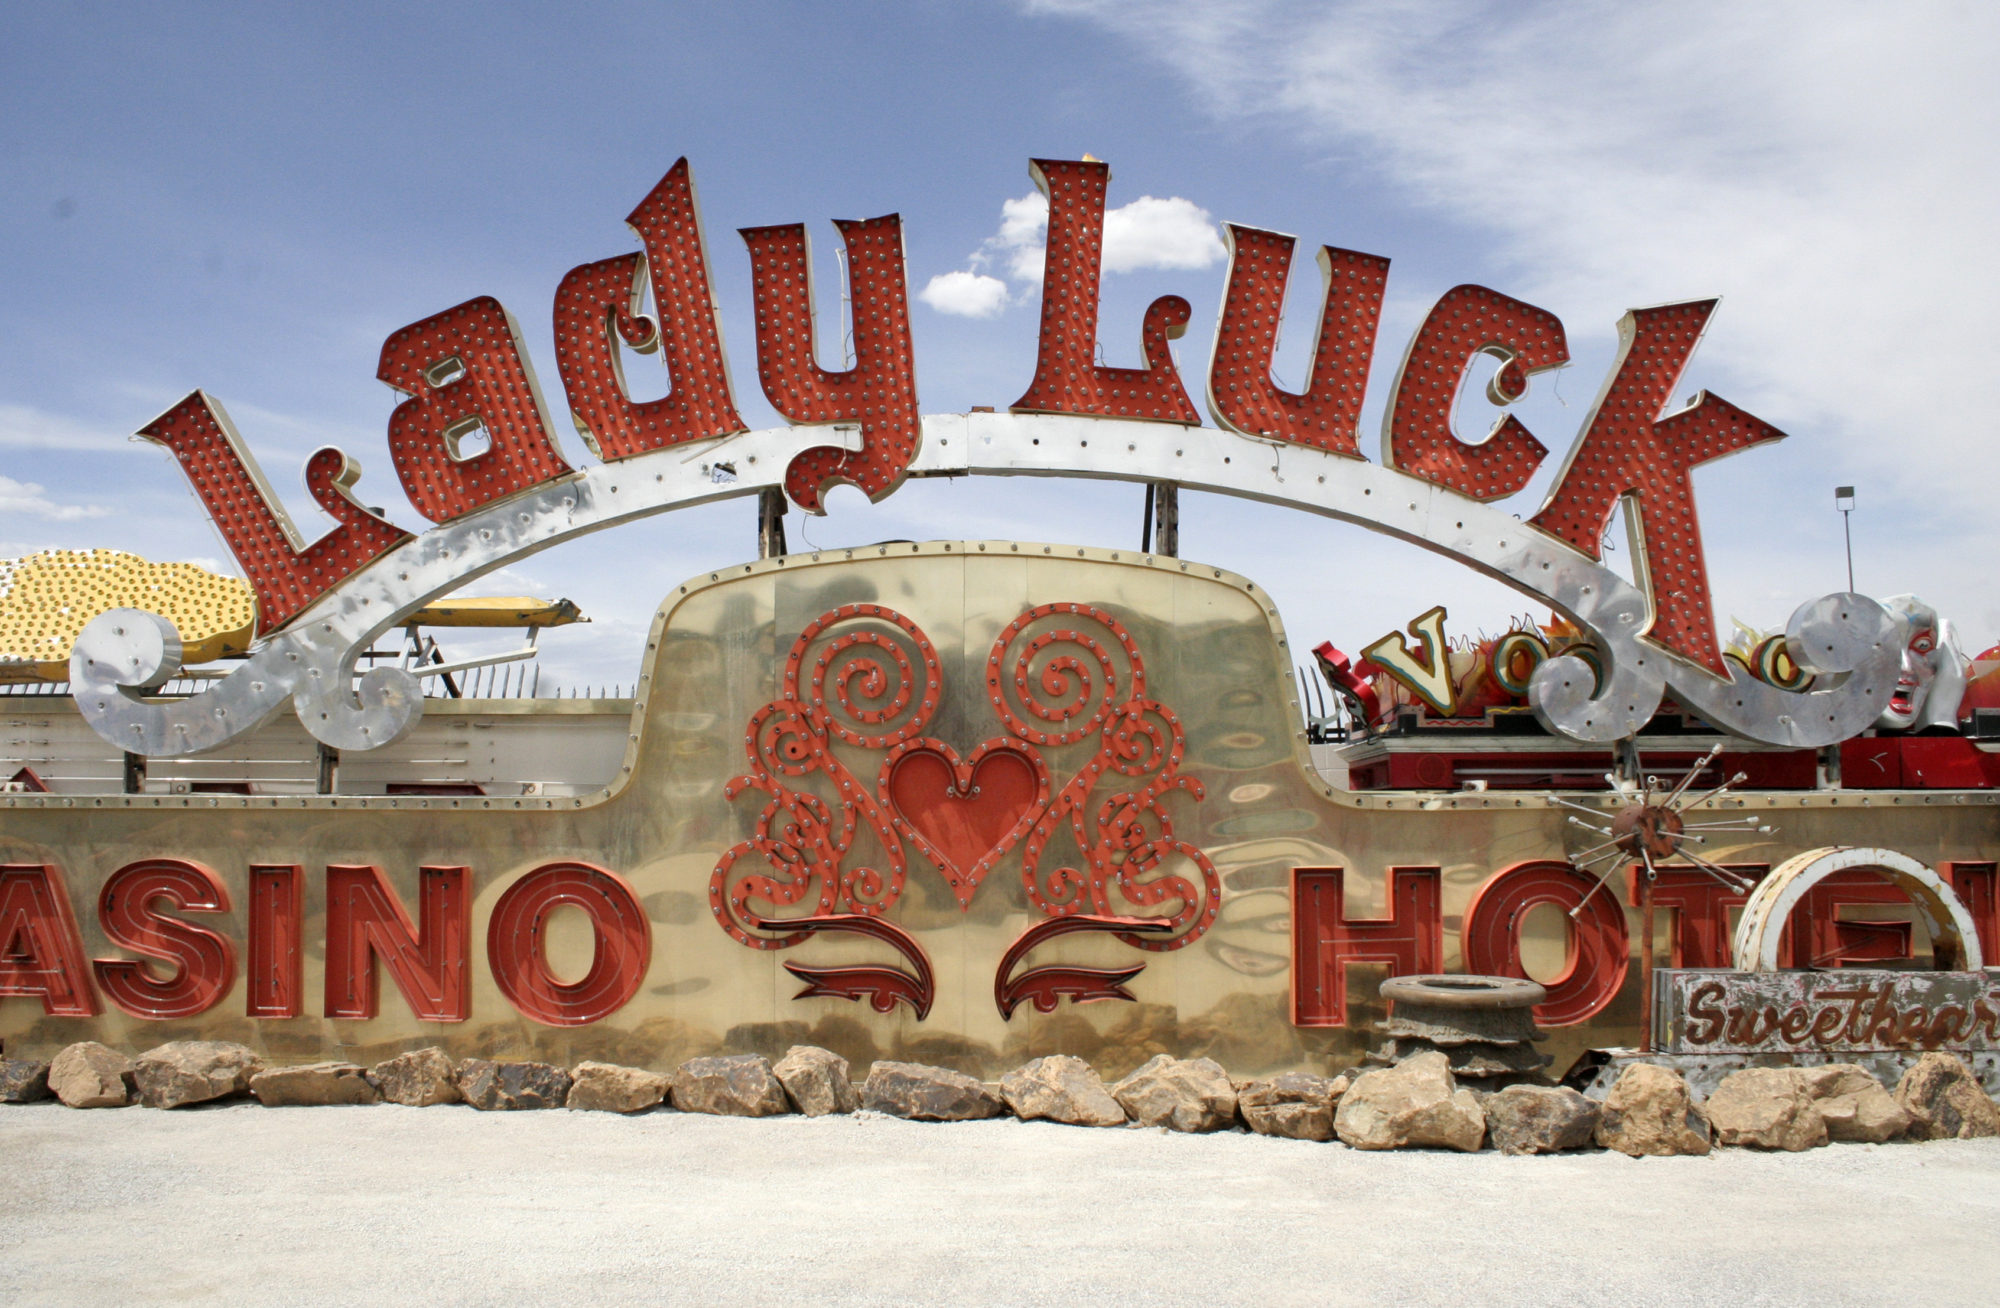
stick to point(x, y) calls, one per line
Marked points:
point(1453, 991)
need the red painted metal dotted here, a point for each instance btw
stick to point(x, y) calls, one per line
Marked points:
point(853, 677)
point(871, 655)
point(883, 987)
point(1325, 941)
point(1977, 884)
point(285, 574)
point(365, 920)
point(965, 815)
point(1701, 932)
point(1056, 687)
point(879, 392)
point(600, 304)
point(1917, 763)
point(1816, 936)
point(1629, 449)
point(465, 370)
point(274, 970)
point(517, 944)
point(1044, 987)
point(1543, 768)
point(1467, 322)
point(1068, 378)
point(1241, 392)
point(41, 951)
point(204, 961)
point(1599, 944)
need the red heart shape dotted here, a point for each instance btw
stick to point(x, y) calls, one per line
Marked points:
point(964, 815)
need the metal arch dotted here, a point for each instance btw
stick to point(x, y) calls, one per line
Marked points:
point(1848, 639)
point(1762, 926)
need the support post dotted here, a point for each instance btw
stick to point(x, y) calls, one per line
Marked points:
point(770, 523)
point(1166, 504)
point(329, 768)
point(1646, 962)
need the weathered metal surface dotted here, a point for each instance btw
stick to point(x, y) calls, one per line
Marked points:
point(716, 654)
point(1854, 1010)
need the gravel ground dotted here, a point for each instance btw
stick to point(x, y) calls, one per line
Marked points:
point(239, 1203)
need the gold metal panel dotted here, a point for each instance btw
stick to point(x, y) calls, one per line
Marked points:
point(1214, 654)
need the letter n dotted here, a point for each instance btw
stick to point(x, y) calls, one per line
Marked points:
point(41, 953)
point(1325, 940)
point(365, 921)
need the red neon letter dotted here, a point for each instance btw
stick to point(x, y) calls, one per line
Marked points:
point(1067, 378)
point(1627, 449)
point(1700, 904)
point(365, 919)
point(1410, 941)
point(465, 371)
point(879, 392)
point(1242, 395)
point(274, 977)
point(517, 944)
point(1815, 936)
point(1468, 322)
point(204, 960)
point(286, 574)
point(1976, 885)
point(601, 299)
point(41, 953)
point(1598, 942)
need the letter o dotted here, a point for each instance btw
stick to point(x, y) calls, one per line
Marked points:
point(1599, 946)
point(517, 944)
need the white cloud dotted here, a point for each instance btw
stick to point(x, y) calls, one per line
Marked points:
point(1024, 225)
point(30, 500)
point(1827, 166)
point(25, 428)
point(1156, 233)
point(965, 294)
point(1147, 233)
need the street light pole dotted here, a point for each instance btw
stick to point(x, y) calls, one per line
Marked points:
point(1843, 499)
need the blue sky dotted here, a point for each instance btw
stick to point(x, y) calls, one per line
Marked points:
point(250, 199)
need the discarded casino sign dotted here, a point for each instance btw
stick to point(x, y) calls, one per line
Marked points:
point(465, 373)
point(1860, 1010)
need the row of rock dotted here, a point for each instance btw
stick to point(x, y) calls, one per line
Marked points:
point(1416, 1103)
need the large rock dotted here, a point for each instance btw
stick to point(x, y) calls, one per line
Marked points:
point(737, 1085)
point(1416, 1102)
point(1296, 1105)
point(1945, 1102)
point(184, 1072)
point(90, 1075)
point(1183, 1094)
point(817, 1081)
point(1534, 1119)
point(607, 1087)
point(417, 1079)
point(1765, 1108)
point(927, 1094)
point(498, 1087)
point(1060, 1088)
point(1650, 1112)
point(23, 1081)
point(314, 1085)
point(1853, 1103)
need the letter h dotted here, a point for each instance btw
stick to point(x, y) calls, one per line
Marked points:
point(1325, 940)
